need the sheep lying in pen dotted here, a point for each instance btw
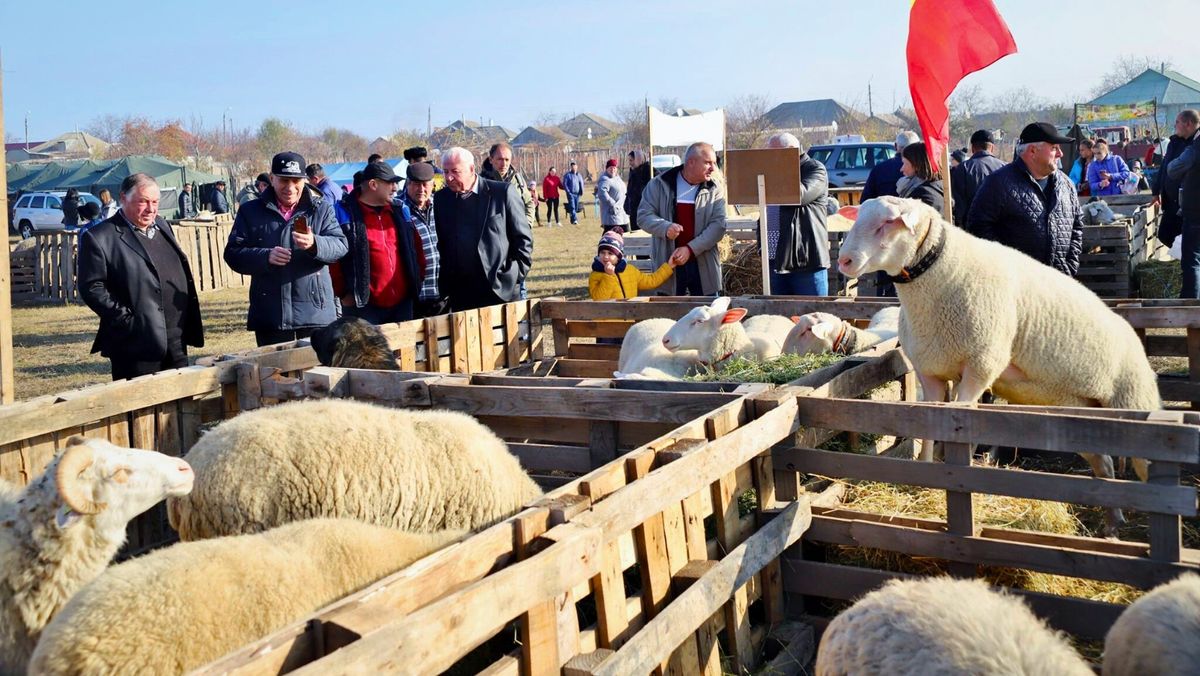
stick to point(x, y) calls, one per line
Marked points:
point(418, 471)
point(61, 531)
point(179, 608)
point(644, 357)
point(353, 343)
point(980, 314)
point(1159, 634)
point(717, 333)
point(943, 626)
point(820, 332)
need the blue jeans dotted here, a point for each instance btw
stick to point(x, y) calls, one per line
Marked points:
point(800, 283)
point(1189, 259)
point(573, 207)
point(687, 279)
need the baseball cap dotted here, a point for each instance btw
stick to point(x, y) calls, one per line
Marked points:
point(1040, 132)
point(380, 171)
point(419, 171)
point(288, 164)
point(981, 137)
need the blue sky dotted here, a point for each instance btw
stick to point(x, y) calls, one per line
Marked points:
point(376, 67)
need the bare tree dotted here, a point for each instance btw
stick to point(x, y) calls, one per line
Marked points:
point(1125, 68)
point(548, 119)
point(668, 104)
point(632, 117)
point(746, 120)
point(275, 135)
point(106, 127)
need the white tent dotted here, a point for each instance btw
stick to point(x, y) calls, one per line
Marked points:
point(670, 130)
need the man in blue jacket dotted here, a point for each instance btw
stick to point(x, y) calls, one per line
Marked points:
point(285, 241)
point(573, 184)
point(1184, 171)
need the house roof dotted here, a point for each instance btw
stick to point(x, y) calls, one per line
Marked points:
point(891, 120)
point(540, 136)
point(22, 145)
point(577, 126)
point(71, 142)
point(1167, 87)
point(809, 113)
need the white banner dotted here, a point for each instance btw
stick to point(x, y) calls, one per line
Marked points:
point(669, 130)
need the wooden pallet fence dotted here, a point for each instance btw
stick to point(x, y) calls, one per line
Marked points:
point(584, 568)
point(1160, 322)
point(1168, 439)
point(23, 272)
point(1105, 264)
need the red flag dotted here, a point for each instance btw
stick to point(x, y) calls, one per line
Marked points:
point(948, 40)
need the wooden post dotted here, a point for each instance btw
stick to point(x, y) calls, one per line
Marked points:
point(6, 339)
point(762, 235)
point(947, 210)
point(650, 141)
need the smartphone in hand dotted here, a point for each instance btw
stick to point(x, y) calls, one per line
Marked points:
point(301, 225)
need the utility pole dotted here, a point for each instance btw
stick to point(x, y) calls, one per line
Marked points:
point(429, 121)
point(6, 337)
point(870, 101)
point(27, 130)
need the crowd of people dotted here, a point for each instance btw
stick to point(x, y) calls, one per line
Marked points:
point(315, 251)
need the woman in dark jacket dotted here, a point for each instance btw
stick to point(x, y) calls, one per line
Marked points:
point(70, 207)
point(920, 181)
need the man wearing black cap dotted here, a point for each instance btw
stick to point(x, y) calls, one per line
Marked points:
point(285, 240)
point(1030, 205)
point(966, 178)
point(380, 278)
point(416, 207)
point(220, 203)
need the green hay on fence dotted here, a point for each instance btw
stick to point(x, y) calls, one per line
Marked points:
point(1158, 279)
point(778, 370)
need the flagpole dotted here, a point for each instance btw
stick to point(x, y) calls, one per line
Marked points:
point(947, 207)
point(650, 139)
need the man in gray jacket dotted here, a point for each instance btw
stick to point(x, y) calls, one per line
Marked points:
point(684, 210)
point(797, 234)
point(610, 195)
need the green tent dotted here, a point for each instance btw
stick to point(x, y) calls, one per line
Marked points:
point(18, 173)
point(48, 176)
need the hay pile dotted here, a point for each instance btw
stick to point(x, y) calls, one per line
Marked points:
point(1158, 279)
point(990, 510)
point(778, 370)
point(741, 267)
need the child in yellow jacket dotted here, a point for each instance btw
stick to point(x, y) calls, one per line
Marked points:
point(613, 277)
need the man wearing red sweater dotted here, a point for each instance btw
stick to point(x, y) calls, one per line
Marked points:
point(380, 277)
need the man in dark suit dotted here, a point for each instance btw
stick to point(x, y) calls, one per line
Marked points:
point(484, 240)
point(133, 274)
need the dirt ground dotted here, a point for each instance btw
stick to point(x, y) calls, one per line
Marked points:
point(52, 343)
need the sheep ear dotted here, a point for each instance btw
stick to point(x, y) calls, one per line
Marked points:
point(721, 304)
point(822, 330)
point(795, 319)
point(910, 215)
point(734, 315)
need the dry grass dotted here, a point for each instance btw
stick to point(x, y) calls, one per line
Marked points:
point(52, 343)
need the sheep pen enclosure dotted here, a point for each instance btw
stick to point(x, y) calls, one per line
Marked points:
point(688, 527)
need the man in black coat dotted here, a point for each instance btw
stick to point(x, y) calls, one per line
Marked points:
point(798, 242)
point(1184, 171)
point(484, 241)
point(1166, 189)
point(1030, 205)
point(133, 274)
point(639, 176)
point(966, 178)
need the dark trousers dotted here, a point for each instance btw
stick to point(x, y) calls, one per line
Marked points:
point(1189, 259)
point(175, 358)
point(573, 207)
point(884, 288)
point(430, 308)
point(551, 207)
point(401, 312)
point(275, 336)
point(687, 279)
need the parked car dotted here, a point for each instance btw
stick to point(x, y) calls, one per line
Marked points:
point(661, 163)
point(849, 164)
point(40, 211)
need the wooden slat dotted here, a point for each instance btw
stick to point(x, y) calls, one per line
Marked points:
point(597, 329)
point(1153, 441)
point(594, 351)
point(993, 480)
point(547, 457)
point(572, 403)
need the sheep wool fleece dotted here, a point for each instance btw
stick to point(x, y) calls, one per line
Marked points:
point(179, 608)
point(418, 471)
point(1156, 636)
point(943, 627)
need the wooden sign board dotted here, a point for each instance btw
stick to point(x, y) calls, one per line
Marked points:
point(780, 166)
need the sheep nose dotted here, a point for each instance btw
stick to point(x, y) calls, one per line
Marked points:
point(843, 261)
point(184, 468)
point(666, 343)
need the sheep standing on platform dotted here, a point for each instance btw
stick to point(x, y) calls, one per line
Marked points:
point(821, 332)
point(179, 608)
point(1159, 634)
point(418, 471)
point(717, 333)
point(62, 530)
point(643, 356)
point(943, 627)
point(982, 315)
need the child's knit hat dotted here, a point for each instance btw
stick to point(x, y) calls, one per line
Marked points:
point(614, 241)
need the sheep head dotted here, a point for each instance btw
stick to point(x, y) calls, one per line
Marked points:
point(814, 333)
point(697, 330)
point(885, 236)
point(114, 484)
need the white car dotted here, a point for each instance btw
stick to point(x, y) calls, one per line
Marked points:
point(39, 211)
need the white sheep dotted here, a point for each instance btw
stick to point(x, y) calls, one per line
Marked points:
point(943, 626)
point(61, 530)
point(413, 470)
point(1159, 634)
point(717, 333)
point(180, 608)
point(1098, 213)
point(821, 332)
point(981, 314)
point(643, 356)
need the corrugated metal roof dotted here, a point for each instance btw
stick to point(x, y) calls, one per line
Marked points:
point(1169, 88)
point(809, 113)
